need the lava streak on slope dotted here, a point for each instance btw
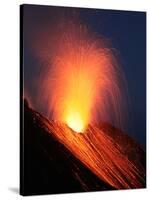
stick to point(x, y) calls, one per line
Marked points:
point(102, 155)
point(83, 85)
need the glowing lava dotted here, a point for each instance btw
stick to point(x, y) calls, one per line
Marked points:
point(84, 80)
point(83, 84)
point(75, 122)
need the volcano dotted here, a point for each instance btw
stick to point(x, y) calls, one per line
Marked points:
point(56, 159)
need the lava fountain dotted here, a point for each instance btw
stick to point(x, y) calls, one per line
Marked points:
point(83, 85)
point(84, 80)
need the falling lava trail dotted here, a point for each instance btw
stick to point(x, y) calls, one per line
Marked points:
point(83, 85)
point(101, 154)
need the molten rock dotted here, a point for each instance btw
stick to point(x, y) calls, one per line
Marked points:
point(58, 160)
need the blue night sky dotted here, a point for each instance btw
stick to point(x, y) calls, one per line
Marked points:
point(127, 32)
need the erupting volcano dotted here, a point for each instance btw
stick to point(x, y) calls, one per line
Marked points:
point(84, 80)
point(83, 90)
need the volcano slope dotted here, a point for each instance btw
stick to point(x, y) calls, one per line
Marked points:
point(55, 159)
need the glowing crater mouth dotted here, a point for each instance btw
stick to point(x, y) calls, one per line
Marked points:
point(75, 122)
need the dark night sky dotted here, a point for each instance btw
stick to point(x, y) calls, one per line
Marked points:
point(127, 32)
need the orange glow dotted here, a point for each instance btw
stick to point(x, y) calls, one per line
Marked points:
point(83, 80)
point(80, 86)
point(74, 121)
point(101, 154)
